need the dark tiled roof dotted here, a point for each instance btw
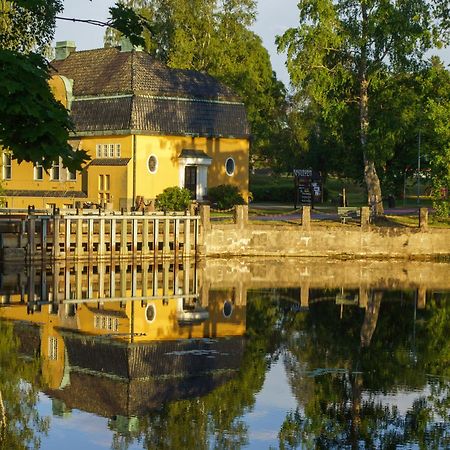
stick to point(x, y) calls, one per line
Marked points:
point(191, 153)
point(38, 193)
point(108, 71)
point(102, 114)
point(161, 116)
point(110, 162)
point(116, 90)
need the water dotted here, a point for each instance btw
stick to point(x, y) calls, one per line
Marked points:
point(226, 354)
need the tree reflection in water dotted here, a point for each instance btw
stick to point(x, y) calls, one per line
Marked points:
point(343, 366)
point(342, 407)
point(21, 426)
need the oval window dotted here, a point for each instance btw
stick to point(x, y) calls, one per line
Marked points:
point(230, 166)
point(152, 164)
point(150, 313)
point(227, 309)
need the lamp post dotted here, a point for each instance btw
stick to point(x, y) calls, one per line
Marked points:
point(418, 172)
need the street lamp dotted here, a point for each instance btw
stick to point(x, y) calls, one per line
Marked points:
point(418, 173)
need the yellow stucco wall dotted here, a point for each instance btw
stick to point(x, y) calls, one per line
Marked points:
point(22, 179)
point(167, 150)
point(58, 86)
point(133, 179)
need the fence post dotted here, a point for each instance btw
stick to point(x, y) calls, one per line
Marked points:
point(306, 218)
point(241, 216)
point(365, 218)
point(423, 219)
point(205, 217)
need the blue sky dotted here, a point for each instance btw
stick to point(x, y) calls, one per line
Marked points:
point(274, 17)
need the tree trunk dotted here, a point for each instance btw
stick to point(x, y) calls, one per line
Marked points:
point(375, 198)
point(370, 318)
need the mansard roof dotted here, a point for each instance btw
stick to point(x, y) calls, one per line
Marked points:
point(115, 90)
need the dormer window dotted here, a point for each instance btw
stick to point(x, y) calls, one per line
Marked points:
point(6, 166)
point(38, 172)
point(56, 170)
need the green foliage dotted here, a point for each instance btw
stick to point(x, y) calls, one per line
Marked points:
point(173, 199)
point(214, 37)
point(27, 25)
point(21, 424)
point(126, 21)
point(339, 57)
point(33, 125)
point(225, 196)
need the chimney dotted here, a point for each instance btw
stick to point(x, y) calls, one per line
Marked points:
point(127, 46)
point(63, 49)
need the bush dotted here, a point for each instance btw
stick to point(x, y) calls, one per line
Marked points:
point(273, 193)
point(225, 196)
point(173, 199)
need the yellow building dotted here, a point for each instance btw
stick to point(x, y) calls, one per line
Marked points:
point(145, 126)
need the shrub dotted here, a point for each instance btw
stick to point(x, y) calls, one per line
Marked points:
point(273, 193)
point(173, 199)
point(225, 196)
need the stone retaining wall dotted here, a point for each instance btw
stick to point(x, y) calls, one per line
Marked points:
point(309, 240)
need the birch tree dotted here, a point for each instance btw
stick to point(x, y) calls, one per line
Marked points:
point(342, 48)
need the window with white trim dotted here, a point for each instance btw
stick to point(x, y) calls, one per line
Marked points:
point(52, 348)
point(38, 172)
point(56, 170)
point(152, 164)
point(109, 150)
point(104, 185)
point(230, 166)
point(71, 176)
point(6, 166)
point(102, 322)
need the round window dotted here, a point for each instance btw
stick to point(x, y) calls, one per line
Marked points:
point(227, 308)
point(150, 313)
point(152, 164)
point(230, 166)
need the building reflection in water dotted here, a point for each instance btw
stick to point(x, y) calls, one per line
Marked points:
point(121, 339)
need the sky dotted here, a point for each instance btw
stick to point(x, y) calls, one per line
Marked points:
point(274, 17)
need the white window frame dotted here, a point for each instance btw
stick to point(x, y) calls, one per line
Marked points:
point(6, 166)
point(156, 164)
point(111, 150)
point(118, 150)
point(53, 348)
point(71, 176)
point(105, 150)
point(56, 166)
point(38, 168)
point(99, 150)
point(231, 173)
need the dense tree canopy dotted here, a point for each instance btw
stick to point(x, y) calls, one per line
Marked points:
point(341, 52)
point(214, 37)
point(35, 127)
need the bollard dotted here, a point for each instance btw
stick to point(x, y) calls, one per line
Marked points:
point(306, 218)
point(423, 219)
point(240, 216)
point(365, 218)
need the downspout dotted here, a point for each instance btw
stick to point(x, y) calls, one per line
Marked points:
point(134, 169)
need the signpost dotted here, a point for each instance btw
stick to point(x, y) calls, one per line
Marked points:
point(308, 187)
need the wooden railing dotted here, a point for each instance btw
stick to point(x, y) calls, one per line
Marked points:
point(100, 236)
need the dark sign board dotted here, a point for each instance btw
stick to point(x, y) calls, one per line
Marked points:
point(308, 187)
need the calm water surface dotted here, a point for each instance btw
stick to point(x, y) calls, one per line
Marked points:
point(225, 354)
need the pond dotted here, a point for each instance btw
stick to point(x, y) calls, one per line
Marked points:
point(225, 354)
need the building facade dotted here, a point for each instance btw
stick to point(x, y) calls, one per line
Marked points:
point(145, 126)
